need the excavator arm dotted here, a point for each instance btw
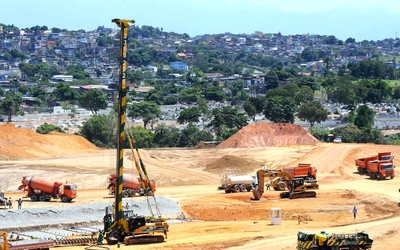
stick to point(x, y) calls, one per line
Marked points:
point(262, 174)
point(4, 245)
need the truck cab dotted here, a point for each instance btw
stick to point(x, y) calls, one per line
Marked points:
point(68, 192)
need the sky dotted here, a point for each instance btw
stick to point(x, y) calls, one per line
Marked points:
point(359, 19)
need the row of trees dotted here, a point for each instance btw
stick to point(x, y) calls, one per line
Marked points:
point(93, 100)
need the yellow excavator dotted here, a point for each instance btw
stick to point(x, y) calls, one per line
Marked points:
point(4, 244)
point(297, 186)
point(124, 225)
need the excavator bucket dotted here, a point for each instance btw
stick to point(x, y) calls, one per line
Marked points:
point(257, 193)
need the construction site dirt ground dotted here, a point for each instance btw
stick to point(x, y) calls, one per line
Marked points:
point(235, 221)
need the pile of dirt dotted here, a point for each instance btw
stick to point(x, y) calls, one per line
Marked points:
point(232, 164)
point(17, 143)
point(269, 134)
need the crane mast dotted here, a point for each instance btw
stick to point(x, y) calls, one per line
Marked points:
point(122, 90)
point(127, 226)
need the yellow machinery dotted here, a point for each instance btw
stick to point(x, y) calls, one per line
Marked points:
point(297, 186)
point(4, 244)
point(326, 241)
point(127, 227)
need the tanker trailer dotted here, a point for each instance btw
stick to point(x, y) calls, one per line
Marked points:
point(40, 189)
point(235, 184)
point(131, 186)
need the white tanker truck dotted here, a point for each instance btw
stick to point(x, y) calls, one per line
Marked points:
point(235, 184)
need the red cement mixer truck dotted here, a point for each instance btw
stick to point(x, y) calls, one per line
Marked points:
point(40, 189)
point(131, 186)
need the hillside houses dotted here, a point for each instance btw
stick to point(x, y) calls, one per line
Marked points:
point(97, 51)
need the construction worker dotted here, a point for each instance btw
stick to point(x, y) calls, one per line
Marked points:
point(19, 203)
point(10, 203)
point(354, 212)
point(127, 206)
point(268, 184)
point(100, 238)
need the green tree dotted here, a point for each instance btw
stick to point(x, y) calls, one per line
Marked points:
point(321, 133)
point(214, 93)
point(64, 92)
point(304, 94)
point(93, 100)
point(227, 118)
point(258, 103)
point(189, 115)
point(364, 118)
point(149, 112)
point(191, 136)
point(100, 130)
point(280, 109)
point(271, 80)
point(189, 95)
point(250, 110)
point(165, 136)
point(143, 137)
point(77, 71)
point(47, 128)
point(312, 112)
point(11, 104)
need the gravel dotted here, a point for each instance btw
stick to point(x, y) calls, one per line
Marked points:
point(36, 217)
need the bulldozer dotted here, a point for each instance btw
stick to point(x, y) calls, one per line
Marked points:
point(124, 225)
point(298, 187)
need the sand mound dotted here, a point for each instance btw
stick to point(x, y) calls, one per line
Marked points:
point(269, 134)
point(232, 164)
point(25, 143)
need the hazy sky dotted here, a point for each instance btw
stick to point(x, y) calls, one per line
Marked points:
point(359, 19)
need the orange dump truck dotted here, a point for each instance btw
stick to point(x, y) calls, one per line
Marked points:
point(303, 170)
point(131, 186)
point(40, 189)
point(381, 169)
point(362, 163)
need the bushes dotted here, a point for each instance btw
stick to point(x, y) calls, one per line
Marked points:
point(46, 128)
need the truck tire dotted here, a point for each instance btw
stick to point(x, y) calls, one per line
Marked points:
point(42, 197)
point(242, 188)
point(64, 198)
point(281, 186)
point(34, 197)
point(236, 189)
point(125, 193)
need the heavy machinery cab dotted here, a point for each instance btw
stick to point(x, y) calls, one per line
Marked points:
point(297, 183)
point(69, 190)
point(387, 166)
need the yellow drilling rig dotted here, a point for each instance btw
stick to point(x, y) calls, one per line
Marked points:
point(124, 225)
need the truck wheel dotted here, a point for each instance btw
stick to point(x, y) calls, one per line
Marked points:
point(236, 189)
point(149, 193)
point(281, 186)
point(34, 197)
point(64, 198)
point(42, 197)
point(125, 194)
point(242, 188)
